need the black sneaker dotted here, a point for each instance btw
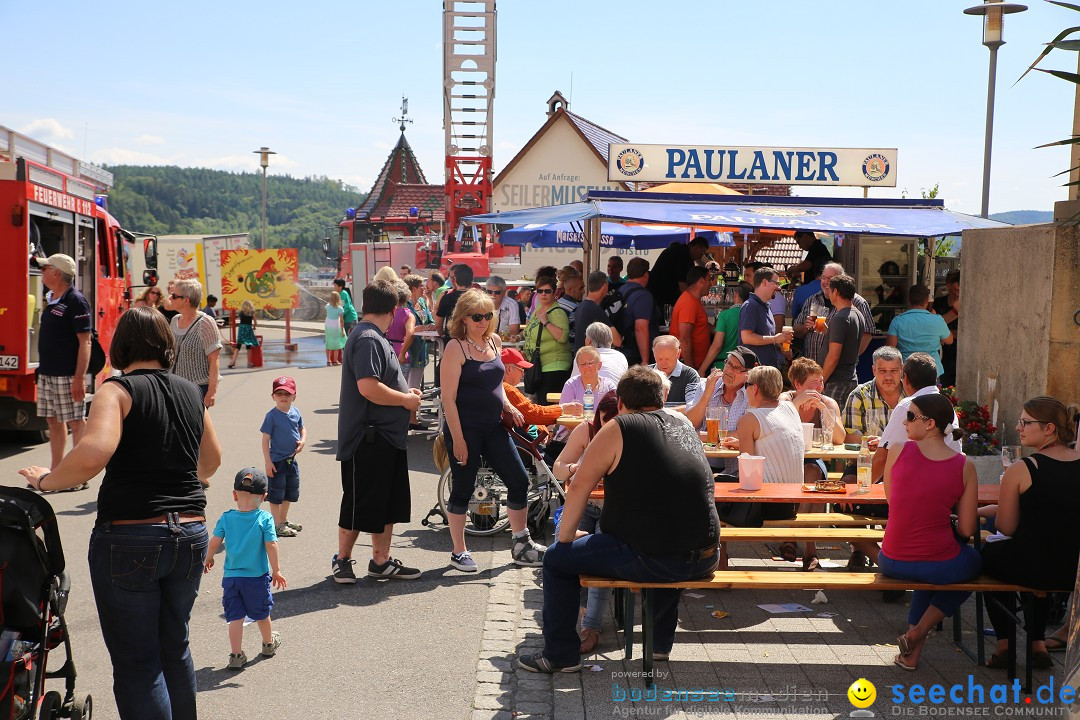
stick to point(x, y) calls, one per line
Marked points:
point(537, 663)
point(343, 570)
point(392, 569)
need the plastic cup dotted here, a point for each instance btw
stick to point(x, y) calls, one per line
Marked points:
point(751, 471)
point(808, 436)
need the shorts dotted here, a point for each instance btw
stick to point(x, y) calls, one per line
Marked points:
point(246, 597)
point(285, 484)
point(375, 486)
point(54, 399)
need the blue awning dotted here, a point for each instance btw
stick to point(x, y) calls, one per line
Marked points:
point(612, 235)
point(918, 218)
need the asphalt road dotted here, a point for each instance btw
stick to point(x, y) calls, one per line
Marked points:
point(388, 649)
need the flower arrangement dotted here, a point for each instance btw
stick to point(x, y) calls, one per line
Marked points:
point(979, 438)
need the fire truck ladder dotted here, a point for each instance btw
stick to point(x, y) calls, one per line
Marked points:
point(468, 102)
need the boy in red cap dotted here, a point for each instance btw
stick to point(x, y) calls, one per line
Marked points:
point(283, 437)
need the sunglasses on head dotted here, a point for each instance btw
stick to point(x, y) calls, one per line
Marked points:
point(545, 291)
point(477, 317)
point(912, 417)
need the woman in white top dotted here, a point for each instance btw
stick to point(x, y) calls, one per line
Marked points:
point(772, 428)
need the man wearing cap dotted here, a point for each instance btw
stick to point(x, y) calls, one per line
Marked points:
point(515, 365)
point(373, 427)
point(64, 353)
point(724, 388)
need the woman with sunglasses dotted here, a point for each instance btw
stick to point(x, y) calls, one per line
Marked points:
point(151, 297)
point(474, 404)
point(198, 343)
point(925, 481)
point(1037, 510)
point(549, 330)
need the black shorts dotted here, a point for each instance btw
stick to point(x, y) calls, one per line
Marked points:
point(375, 487)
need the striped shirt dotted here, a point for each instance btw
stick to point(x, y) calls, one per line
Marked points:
point(194, 345)
point(866, 411)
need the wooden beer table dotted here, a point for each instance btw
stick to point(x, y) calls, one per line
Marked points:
point(794, 493)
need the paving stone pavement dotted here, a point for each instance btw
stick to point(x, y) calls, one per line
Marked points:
point(749, 664)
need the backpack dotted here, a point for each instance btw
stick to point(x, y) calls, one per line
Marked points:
point(614, 308)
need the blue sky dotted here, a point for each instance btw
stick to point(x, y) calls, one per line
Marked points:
point(205, 83)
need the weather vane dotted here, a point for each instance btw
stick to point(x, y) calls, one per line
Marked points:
point(404, 112)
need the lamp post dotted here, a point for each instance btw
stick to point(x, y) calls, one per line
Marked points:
point(993, 12)
point(264, 154)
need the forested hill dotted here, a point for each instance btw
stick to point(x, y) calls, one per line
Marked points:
point(179, 201)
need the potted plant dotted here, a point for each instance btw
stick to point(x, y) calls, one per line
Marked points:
point(980, 443)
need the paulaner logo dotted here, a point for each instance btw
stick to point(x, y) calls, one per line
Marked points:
point(973, 694)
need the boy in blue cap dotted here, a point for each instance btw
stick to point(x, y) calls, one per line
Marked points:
point(251, 564)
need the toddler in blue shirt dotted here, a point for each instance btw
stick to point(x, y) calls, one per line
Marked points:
point(283, 436)
point(251, 564)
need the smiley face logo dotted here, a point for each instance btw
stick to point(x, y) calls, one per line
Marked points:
point(862, 693)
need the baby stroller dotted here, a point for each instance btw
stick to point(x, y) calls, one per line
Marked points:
point(34, 591)
point(487, 513)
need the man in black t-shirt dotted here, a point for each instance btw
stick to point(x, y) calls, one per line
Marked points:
point(648, 536)
point(667, 279)
point(948, 307)
point(373, 424)
point(64, 352)
point(817, 255)
point(588, 310)
point(461, 278)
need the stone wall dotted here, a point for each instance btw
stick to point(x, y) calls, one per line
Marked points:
point(1019, 290)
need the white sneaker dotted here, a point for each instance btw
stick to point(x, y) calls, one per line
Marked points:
point(527, 553)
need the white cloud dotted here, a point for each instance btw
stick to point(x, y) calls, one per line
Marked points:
point(149, 140)
point(47, 129)
point(124, 156)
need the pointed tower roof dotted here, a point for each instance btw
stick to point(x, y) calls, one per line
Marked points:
point(401, 179)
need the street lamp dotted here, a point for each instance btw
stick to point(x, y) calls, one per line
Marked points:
point(264, 154)
point(993, 12)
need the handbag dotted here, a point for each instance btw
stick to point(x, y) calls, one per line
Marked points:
point(534, 376)
point(97, 355)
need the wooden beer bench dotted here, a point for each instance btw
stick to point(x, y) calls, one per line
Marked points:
point(787, 580)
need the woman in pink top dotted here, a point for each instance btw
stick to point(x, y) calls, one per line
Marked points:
point(925, 482)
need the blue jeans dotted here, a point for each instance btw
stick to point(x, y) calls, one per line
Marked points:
point(608, 556)
point(145, 580)
point(494, 443)
point(965, 566)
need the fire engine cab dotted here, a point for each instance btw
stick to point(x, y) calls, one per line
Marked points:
point(52, 203)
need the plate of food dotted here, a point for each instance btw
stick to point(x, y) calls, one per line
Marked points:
point(827, 486)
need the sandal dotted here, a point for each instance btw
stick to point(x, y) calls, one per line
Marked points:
point(789, 552)
point(899, 662)
point(998, 662)
point(1041, 661)
point(1054, 644)
point(858, 561)
point(903, 644)
point(589, 638)
point(232, 366)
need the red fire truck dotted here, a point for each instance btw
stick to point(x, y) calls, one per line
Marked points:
point(52, 203)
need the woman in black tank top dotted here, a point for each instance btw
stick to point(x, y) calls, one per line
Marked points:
point(149, 430)
point(1037, 510)
point(471, 375)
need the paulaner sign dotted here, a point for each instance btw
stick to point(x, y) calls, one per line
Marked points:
point(859, 167)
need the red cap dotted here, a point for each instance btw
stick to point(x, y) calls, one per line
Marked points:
point(513, 356)
point(284, 383)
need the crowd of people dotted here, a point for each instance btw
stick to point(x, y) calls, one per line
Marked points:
point(588, 341)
